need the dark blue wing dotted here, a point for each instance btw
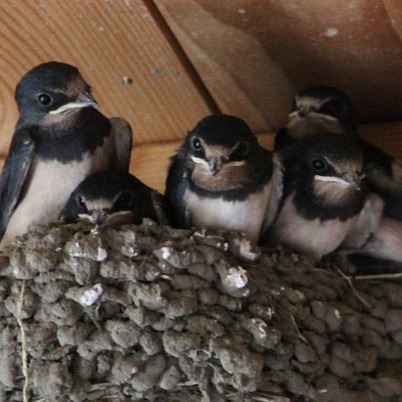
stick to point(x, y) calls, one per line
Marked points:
point(176, 184)
point(123, 142)
point(13, 176)
point(162, 207)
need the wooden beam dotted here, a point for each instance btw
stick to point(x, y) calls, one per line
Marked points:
point(253, 55)
point(235, 67)
point(121, 50)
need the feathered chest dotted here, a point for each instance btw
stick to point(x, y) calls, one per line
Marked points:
point(246, 215)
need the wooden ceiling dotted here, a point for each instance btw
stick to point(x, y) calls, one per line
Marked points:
point(164, 64)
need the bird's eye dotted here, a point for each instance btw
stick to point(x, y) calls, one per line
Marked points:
point(124, 200)
point(81, 202)
point(45, 99)
point(196, 144)
point(334, 107)
point(241, 150)
point(320, 165)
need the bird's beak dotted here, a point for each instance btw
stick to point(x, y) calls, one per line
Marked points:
point(215, 164)
point(347, 180)
point(84, 100)
point(352, 180)
point(88, 100)
point(302, 112)
point(95, 217)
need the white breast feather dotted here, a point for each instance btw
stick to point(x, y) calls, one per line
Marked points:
point(51, 185)
point(245, 216)
point(315, 237)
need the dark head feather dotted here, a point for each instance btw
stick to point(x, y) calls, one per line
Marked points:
point(222, 130)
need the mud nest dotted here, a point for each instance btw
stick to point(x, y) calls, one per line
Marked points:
point(149, 313)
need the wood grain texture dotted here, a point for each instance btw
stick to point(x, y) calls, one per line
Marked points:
point(150, 162)
point(182, 56)
point(254, 54)
point(107, 40)
point(241, 76)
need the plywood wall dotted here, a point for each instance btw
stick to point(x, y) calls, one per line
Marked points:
point(107, 40)
point(185, 59)
point(256, 53)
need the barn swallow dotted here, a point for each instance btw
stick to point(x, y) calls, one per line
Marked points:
point(60, 139)
point(113, 198)
point(316, 110)
point(384, 173)
point(328, 109)
point(323, 193)
point(221, 178)
point(378, 231)
point(385, 242)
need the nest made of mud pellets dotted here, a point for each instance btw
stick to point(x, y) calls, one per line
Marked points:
point(153, 313)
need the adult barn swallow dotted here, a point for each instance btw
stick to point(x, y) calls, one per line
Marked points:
point(60, 139)
point(328, 109)
point(323, 193)
point(115, 197)
point(221, 178)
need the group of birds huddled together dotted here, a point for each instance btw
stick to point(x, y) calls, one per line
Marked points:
point(322, 189)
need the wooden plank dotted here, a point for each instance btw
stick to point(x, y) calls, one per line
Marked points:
point(254, 54)
point(387, 136)
point(107, 40)
point(241, 76)
point(150, 162)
